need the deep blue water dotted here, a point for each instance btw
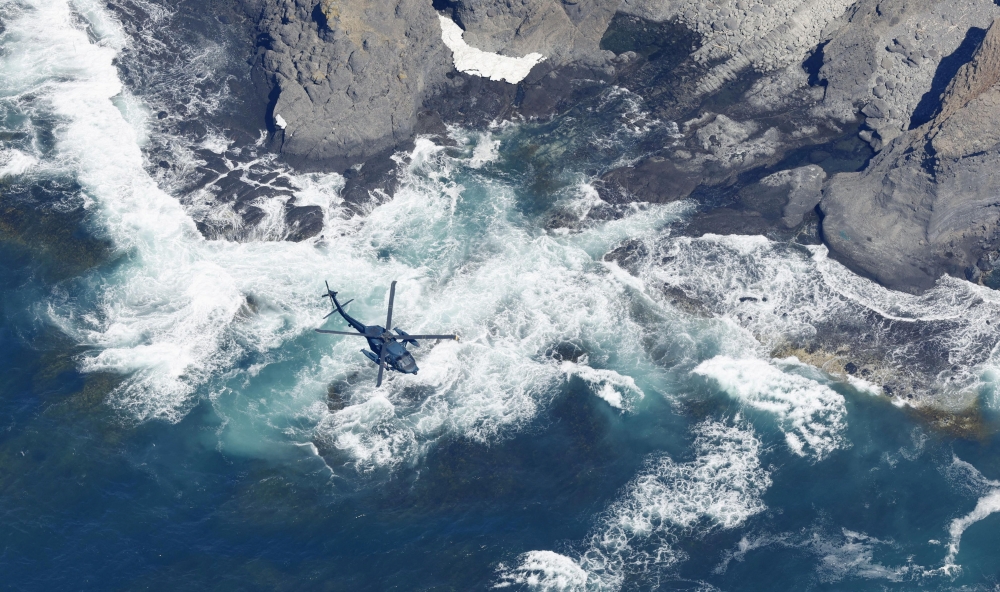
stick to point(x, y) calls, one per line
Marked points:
point(170, 421)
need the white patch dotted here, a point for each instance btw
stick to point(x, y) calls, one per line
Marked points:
point(487, 150)
point(323, 190)
point(850, 555)
point(721, 488)
point(810, 414)
point(280, 122)
point(216, 142)
point(989, 503)
point(619, 391)
point(14, 162)
point(967, 477)
point(481, 63)
point(545, 571)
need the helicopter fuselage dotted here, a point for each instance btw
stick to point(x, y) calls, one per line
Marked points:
point(396, 355)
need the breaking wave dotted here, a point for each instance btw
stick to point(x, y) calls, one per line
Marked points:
point(810, 414)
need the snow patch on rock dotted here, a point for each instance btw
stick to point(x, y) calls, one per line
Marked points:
point(482, 63)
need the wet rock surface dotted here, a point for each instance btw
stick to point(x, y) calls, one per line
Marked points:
point(774, 101)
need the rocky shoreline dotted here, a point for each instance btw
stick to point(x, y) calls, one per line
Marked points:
point(751, 83)
point(865, 126)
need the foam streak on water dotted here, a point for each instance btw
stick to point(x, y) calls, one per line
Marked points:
point(987, 504)
point(720, 488)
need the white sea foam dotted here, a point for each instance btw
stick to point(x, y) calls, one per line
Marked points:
point(721, 488)
point(784, 294)
point(545, 571)
point(852, 556)
point(184, 319)
point(987, 505)
point(619, 391)
point(848, 555)
point(970, 479)
point(483, 63)
point(13, 162)
point(966, 477)
point(323, 190)
point(811, 415)
point(486, 150)
point(216, 142)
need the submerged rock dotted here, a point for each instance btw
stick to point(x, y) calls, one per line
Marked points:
point(303, 221)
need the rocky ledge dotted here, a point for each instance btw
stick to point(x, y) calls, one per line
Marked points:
point(870, 122)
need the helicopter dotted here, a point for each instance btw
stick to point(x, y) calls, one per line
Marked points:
point(387, 349)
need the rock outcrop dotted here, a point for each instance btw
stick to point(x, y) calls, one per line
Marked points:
point(565, 31)
point(890, 60)
point(908, 71)
point(351, 78)
point(356, 79)
point(929, 203)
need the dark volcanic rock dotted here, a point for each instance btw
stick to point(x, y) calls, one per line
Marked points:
point(350, 79)
point(303, 221)
point(629, 255)
point(654, 180)
point(252, 216)
point(375, 179)
point(728, 221)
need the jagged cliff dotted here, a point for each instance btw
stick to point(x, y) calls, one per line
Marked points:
point(349, 77)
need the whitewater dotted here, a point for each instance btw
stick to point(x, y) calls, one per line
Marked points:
point(711, 452)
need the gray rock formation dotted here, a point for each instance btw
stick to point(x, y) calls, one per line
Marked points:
point(354, 79)
point(927, 204)
point(350, 76)
point(881, 57)
point(805, 189)
point(890, 60)
point(565, 31)
point(924, 206)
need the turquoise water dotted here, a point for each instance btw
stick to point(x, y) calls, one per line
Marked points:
point(171, 420)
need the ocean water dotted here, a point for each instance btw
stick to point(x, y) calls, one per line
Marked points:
point(171, 421)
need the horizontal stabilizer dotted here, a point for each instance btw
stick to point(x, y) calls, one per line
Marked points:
point(342, 306)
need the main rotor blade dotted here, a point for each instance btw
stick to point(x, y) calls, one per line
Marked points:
point(408, 337)
point(392, 296)
point(340, 333)
point(381, 365)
